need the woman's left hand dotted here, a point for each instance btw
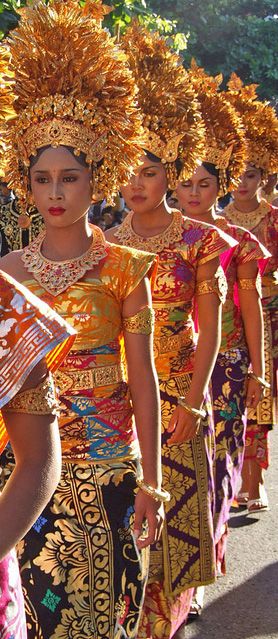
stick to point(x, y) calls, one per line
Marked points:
point(152, 512)
point(183, 425)
point(255, 393)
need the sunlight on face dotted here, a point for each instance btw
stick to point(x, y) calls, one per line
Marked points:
point(250, 182)
point(147, 189)
point(197, 196)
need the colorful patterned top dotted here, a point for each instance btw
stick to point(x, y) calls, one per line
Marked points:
point(29, 331)
point(264, 225)
point(96, 421)
point(248, 249)
point(184, 246)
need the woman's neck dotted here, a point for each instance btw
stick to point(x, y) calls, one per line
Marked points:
point(152, 222)
point(247, 206)
point(208, 216)
point(66, 243)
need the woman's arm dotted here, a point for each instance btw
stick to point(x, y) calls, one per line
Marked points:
point(143, 384)
point(252, 316)
point(36, 445)
point(183, 425)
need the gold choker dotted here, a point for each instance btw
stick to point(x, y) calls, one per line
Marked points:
point(249, 220)
point(56, 277)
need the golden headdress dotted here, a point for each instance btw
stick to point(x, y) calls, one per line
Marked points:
point(73, 88)
point(225, 143)
point(173, 127)
point(6, 100)
point(260, 124)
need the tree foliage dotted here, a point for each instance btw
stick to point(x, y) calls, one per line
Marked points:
point(230, 35)
point(223, 35)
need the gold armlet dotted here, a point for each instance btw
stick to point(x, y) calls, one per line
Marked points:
point(250, 283)
point(156, 494)
point(216, 284)
point(141, 323)
point(35, 401)
point(262, 382)
point(199, 414)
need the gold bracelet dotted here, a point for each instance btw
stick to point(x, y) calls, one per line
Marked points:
point(216, 284)
point(35, 401)
point(263, 383)
point(156, 493)
point(194, 411)
point(251, 283)
point(141, 323)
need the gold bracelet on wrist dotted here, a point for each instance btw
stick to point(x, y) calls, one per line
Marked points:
point(200, 414)
point(156, 493)
point(260, 380)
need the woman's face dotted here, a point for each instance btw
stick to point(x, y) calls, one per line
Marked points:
point(147, 189)
point(198, 195)
point(250, 182)
point(61, 187)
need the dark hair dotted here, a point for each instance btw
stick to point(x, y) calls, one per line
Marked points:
point(81, 158)
point(152, 157)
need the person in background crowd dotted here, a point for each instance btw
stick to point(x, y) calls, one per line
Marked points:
point(188, 271)
point(249, 211)
point(242, 324)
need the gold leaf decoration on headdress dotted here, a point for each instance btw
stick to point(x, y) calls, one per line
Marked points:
point(225, 144)
point(73, 88)
point(6, 101)
point(260, 124)
point(173, 127)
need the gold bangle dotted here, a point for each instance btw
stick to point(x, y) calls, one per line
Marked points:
point(216, 284)
point(141, 323)
point(35, 401)
point(263, 383)
point(194, 411)
point(156, 493)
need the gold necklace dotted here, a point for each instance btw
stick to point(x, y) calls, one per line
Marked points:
point(249, 220)
point(155, 243)
point(56, 277)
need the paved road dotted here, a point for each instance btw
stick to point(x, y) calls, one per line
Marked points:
point(244, 603)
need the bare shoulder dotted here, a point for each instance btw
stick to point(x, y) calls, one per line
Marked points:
point(13, 265)
point(110, 235)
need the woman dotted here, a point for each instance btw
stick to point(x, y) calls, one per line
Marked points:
point(248, 211)
point(188, 262)
point(83, 566)
point(242, 325)
point(33, 341)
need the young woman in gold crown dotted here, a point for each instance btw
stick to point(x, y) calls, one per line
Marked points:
point(33, 341)
point(188, 270)
point(242, 326)
point(83, 564)
point(260, 217)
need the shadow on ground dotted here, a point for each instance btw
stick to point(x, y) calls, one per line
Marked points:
point(248, 611)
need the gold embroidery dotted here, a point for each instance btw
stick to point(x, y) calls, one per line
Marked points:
point(141, 323)
point(75, 380)
point(216, 284)
point(35, 401)
point(249, 220)
point(56, 277)
point(154, 244)
point(171, 343)
point(250, 283)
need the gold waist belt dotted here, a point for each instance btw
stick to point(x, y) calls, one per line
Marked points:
point(171, 343)
point(75, 380)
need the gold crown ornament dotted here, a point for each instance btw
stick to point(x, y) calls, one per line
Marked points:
point(260, 124)
point(172, 124)
point(225, 142)
point(6, 101)
point(72, 87)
